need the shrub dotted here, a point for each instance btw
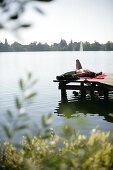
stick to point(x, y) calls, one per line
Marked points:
point(76, 152)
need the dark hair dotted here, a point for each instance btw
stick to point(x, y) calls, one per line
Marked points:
point(75, 71)
point(93, 75)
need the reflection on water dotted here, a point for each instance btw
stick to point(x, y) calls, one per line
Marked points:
point(89, 105)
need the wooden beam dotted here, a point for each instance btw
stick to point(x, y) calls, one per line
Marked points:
point(83, 91)
point(76, 87)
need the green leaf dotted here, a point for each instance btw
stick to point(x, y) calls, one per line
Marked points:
point(77, 133)
point(14, 17)
point(46, 136)
point(43, 120)
point(21, 84)
point(27, 137)
point(25, 26)
point(111, 114)
point(18, 104)
point(49, 115)
point(72, 138)
point(47, 131)
point(29, 75)
point(31, 95)
point(7, 131)
point(21, 127)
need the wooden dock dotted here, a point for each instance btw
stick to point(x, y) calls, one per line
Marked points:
point(101, 85)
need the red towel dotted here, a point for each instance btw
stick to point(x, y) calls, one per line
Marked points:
point(102, 76)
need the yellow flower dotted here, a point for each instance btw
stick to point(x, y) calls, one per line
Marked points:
point(81, 137)
point(93, 130)
point(6, 143)
point(52, 143)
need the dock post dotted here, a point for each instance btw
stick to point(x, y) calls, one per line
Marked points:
point(105, 95)
point(83, 92)
point(63, 96)
point(63, 91)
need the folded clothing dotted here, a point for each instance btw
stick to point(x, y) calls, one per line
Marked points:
point(102, 76)
point(67, 77)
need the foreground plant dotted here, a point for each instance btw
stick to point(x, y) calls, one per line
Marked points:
point(77, 152)
point(12, 13)
point(19, 120)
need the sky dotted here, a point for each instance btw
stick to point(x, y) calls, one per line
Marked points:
point(77, 20)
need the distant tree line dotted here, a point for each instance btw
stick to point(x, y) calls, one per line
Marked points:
point(61, 46)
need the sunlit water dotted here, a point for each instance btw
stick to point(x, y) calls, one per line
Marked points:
point(45, 66)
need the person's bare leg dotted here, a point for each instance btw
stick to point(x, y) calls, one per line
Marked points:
point(71, 72)
point(78, 65)
point(88, 74)
point(100, 73)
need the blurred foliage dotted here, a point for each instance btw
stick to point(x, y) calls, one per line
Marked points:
point(61, 46)
point(19, 120)
point(77, 152)
point(11, 11)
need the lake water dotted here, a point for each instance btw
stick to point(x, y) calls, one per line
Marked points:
point(45, 66)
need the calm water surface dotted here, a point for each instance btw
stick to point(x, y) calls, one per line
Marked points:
point(45, 66)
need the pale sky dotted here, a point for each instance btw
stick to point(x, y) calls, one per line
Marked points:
point(79, 20)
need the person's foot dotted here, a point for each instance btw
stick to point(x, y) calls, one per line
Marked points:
point(78, 65)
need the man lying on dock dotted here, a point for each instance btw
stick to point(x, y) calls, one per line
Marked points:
point(80, 72)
